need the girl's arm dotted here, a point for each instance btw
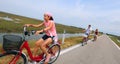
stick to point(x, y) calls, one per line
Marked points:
point(33, 25)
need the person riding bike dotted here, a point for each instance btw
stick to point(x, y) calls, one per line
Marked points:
point(95, 34)
point(50, 33)
point(86, 34)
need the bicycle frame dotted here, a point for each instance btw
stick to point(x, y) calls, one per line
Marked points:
point(26, 46)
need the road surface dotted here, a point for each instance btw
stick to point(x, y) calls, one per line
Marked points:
point(102, 51)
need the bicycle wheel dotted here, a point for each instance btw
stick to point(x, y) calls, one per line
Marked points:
point(54, 50)
point(8, 56)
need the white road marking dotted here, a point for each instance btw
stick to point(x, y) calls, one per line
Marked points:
point(69, 49)
point(114, 43)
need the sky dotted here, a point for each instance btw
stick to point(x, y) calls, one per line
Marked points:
point(101, 14)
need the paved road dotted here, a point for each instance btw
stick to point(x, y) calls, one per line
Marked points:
point(103, 51)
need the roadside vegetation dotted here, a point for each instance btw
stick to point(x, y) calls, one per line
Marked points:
point(115, 38)
point(14, 23)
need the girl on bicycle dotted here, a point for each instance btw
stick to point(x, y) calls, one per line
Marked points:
point(95, 34)
point(50, 33)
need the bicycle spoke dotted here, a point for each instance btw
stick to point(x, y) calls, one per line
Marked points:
point(54, 51)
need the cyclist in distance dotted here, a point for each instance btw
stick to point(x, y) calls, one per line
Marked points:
point(95, 34)
point(50, 33)
point(86, 34)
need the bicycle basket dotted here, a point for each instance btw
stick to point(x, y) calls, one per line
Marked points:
point(12, 42)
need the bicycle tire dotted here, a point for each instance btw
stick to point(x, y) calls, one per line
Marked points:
point(53, 60)
point(13, 54)
point(56, 54)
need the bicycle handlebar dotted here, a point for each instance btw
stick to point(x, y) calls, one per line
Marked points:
point(28, 32)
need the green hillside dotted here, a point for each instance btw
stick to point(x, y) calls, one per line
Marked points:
point(14, 23)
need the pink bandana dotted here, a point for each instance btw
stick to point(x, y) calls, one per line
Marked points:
point(49, 14)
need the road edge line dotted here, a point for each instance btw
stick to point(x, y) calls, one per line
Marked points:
point(69, 49)
point(114, 43)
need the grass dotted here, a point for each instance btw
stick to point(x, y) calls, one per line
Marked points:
point(0, 48)
point(115, 39)
point(71, 41)
point(11, 26)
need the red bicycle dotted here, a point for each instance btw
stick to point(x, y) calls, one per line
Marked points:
point(14, 45)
